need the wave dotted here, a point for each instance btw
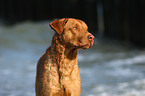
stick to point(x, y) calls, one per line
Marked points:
point(134, 88)
point(129, 61)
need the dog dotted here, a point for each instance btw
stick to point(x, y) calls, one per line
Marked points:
point(57, 70)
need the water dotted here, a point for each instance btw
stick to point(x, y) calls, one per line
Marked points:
point(107, 69)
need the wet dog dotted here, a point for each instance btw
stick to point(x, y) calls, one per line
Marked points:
point(57, 70)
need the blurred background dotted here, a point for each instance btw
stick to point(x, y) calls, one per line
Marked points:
point(114, 66)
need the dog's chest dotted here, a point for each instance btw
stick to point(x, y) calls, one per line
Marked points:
point(67, 66)
point(70, 79)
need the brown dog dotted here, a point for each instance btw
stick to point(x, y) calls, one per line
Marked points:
point(57, 70)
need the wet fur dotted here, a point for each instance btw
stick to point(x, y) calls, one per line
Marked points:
point(57, 70)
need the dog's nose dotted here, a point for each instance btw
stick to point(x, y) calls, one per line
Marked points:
point(91, 37)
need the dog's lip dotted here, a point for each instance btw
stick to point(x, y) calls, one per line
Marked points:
point(89, 45)
point(79, 46)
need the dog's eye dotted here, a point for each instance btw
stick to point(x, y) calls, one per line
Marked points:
point(75, 28)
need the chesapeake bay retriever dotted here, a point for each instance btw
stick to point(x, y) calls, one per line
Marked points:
point(57, 70)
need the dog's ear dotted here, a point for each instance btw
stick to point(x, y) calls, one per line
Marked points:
point(58, 25)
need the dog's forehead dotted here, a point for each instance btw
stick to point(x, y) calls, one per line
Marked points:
point(77, 21)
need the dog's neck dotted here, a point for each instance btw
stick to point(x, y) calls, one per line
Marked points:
point(61, 51)
point(62, 56)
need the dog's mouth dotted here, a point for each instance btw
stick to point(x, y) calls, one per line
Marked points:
point(85, 46)
point(80, 45)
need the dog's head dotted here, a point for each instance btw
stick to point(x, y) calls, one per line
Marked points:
point(74, 33)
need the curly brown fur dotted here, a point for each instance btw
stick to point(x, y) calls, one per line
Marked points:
point(57, 70)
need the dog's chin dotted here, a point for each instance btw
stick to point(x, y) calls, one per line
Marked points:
point(89, 45)
point(86, 46)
